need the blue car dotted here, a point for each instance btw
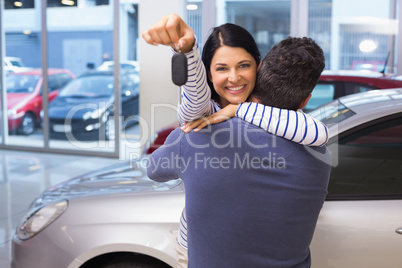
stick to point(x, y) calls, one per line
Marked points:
point(84, 109)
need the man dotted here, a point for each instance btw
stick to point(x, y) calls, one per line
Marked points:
point(252, 198)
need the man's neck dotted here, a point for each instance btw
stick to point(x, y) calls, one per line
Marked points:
point(251, 98)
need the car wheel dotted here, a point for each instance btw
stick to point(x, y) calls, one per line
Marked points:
point(130, 261)
point(27, 125)
point(125, 260)
point(124, 264)
point(110, 133)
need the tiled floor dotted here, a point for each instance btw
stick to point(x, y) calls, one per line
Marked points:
point(23, 176)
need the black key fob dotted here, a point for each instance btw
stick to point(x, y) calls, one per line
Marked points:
point(179, 69)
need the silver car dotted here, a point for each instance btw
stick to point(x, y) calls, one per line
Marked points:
point(117, 217)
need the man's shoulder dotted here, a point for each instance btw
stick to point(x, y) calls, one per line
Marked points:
point(235, 122)
point(174, 137)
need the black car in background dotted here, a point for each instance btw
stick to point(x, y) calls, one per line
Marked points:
point(84, 109)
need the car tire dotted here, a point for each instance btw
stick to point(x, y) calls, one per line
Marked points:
point(27, 125)
point(127, 261)
point(129, 264)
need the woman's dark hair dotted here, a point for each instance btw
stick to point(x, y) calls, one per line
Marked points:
point(230, 35)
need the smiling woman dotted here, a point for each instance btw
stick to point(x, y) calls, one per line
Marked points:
point(233, 73)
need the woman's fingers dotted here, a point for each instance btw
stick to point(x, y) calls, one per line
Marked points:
point(200, 123)
point(187, 127)
point(172, 31)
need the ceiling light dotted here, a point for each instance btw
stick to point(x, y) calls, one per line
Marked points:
point(367, 46)
point(192, 7)
point(67, 2)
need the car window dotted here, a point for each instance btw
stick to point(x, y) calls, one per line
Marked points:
point(127, 66)
point(53, 82)
point(322, 93)
point(21, 83)
point(63, 79)
point(332, 113)
point(369, 163)
point(17, 63)
point(351, 88)
point(89, 86)
point(58, 81)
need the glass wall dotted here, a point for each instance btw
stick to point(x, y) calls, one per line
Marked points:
point(80, 40)
point(77, 106)
point(356, 36)
point(83, 37)
point(353, 36)
point(194, 18)
point(23, 80)
point(319, 26)
point(267, 21)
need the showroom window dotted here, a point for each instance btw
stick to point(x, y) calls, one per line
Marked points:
point(355, 36)
point(83, 38)
point(78, 41)
point(267, 21)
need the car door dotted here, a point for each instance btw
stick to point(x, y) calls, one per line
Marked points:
point(360, 224)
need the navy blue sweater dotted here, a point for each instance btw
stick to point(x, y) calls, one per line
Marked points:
point(252, 198)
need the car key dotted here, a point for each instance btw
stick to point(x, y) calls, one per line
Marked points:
point(179, 69)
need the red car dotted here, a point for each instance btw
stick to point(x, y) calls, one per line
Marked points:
point(331, 85)
point(24, 97)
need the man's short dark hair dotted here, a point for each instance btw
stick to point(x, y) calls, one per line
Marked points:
point(289, 73)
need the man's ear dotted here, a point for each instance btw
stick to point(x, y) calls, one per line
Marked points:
point(304, 102)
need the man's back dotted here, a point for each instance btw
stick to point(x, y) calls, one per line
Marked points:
point(252, 199)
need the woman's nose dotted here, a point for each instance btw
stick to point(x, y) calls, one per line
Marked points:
point(233, 77)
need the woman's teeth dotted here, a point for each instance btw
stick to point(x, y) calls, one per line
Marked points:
point(235, 88)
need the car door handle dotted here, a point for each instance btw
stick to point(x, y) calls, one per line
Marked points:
point(399, 230)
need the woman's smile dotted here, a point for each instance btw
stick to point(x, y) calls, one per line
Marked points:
point(236, 89)
point(233, 73)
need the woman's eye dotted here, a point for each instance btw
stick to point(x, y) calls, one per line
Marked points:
point(245, 65)
point(220, 69)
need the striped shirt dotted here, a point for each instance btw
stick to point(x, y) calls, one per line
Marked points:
point(196, 102)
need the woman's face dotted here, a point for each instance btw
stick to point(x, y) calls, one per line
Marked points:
point(233, 73)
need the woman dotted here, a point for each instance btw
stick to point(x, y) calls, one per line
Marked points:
point(225, 78)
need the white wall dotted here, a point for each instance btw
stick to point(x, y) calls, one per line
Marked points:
point(158, 95)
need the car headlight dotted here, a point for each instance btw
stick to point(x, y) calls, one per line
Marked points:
point(12, 112)
point(38, 219)
point(95, 114)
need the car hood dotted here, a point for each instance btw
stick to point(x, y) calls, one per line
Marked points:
point(13, 99)
point(76, 107)
point(126, 177)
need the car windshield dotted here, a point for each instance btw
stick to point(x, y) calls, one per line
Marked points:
point(89, 86)
point(332, 113)
point(17, 63)
point(21, 83)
